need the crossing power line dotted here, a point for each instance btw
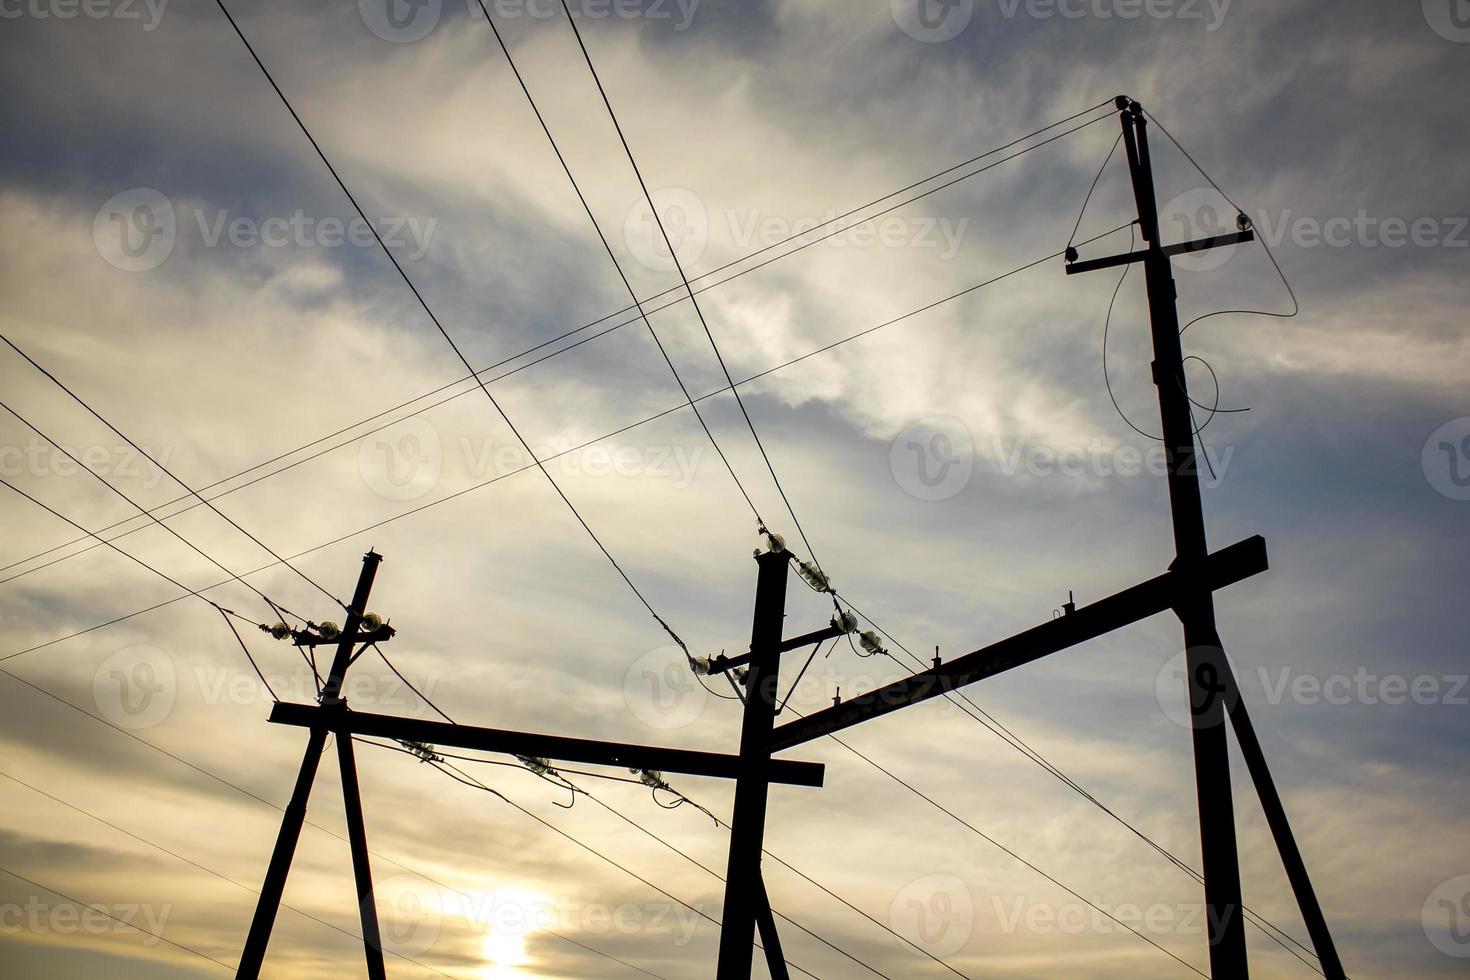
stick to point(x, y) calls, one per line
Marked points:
point(835, 231)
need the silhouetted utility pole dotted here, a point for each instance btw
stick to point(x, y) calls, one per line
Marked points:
point(332, 703)
point(1187, 589)
point(747, 905)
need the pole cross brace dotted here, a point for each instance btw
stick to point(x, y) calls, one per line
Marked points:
point(721, 664)
point(1199, 245)
point(1233, 564)
point(552, 747)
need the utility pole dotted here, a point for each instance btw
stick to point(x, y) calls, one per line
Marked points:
point(295, 814)
point(1187, 589)
point(1204, 656)
point(745, 890)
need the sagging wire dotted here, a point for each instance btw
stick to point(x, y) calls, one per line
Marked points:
point(246, 650)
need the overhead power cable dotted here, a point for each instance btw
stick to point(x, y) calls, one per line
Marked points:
point(164, 469)
point(207, 870)
point(679, 266)
point(210, 774)
point(116, 918)
point(644, 421)
point(504, 361)
point(440, 327)
point(969, 708)
point(637, 303)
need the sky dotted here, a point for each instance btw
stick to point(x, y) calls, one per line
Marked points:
point(176, 253)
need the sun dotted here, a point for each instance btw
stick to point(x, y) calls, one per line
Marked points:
point(511, 915)
point(503, 953)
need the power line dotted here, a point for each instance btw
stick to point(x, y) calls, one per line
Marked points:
point(131, 925)
point(460, 776)
point(651, 418)
point(562, 773)
point(599, 334)
point(195, 864)
point(679, 266)
point(445, 333)
point(141, 509)
point(144, 453)
point(637, 303)
point(991, 840)
point(260, 799)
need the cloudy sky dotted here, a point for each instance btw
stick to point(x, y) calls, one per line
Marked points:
point(177, 254)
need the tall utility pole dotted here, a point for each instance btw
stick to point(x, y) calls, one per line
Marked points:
point(1213, 691)
point(1187, 589)
point(295, 814)
point(744, 885)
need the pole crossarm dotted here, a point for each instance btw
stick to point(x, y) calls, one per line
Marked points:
point(1226, 567)
point(721, 664)
point(552, 747)
point(1184, 248)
